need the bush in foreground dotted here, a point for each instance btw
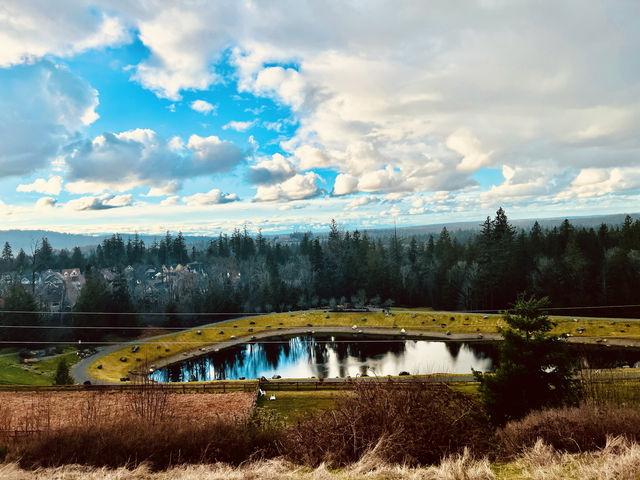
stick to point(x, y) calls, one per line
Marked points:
point(398, 422)
point(571, 429)
point(160, 445)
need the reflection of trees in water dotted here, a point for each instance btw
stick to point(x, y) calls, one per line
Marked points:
point(254, 360)
point(379, 349)
point(315, 352)
point(286, 348)
point(272, 353)
point(484, 350)
point(597, 356)
point(320, 351)
point(453, 348)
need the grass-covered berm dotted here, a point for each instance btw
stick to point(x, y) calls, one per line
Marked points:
point(175, 347)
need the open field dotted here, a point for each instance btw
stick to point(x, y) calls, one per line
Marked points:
point(30, 411)
point(292, 406)
point(461, 326)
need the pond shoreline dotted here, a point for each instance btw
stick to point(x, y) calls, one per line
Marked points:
point(383, 332)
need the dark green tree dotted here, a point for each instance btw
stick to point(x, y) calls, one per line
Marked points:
point(21, 261)
point(63, 376)
point(7, 257)
point(44, 254)
point(535, 369)
point(77, 258)
point(20, 308)
point(179, 250)
point(93, 298)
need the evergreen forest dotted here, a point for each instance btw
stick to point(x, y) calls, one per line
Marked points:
point(574, 266)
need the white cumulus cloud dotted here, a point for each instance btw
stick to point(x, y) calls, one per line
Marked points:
point(141, 157)
point(239, 126)
point(273, 170)
point(212, 197)
point(102, 202)
point(40, 185)
point(203, 107)
point(45, 202)
point(297, 187)
point(42, 106)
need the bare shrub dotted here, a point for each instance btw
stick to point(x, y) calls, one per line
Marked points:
point(6, 419)
point(149, 402)
point(575, 429)
point(92, 410)
point(402, 422)
point(35, 414)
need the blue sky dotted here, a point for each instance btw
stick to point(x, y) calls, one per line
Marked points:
point(281, 115)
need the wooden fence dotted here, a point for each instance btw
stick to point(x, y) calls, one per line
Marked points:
point(210, 387)
point(222, 386)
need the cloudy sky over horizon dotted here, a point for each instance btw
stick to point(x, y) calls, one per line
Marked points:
point(201, 116)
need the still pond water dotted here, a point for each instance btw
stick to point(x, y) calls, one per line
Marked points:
point(331, 356)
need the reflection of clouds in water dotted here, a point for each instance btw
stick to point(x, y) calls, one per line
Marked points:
point(303, 357)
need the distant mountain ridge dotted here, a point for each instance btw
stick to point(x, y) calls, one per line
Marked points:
point(590, 221)
point(26, 239)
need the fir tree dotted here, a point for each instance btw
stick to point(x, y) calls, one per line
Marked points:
point(63, 376)
point(535, 370)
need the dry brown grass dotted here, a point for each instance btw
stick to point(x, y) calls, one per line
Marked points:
point(618, 460)
point(461, 467)
point(26, 411)
point(571, 429)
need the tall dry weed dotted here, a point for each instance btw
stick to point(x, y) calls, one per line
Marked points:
point(461, 467)
point(404, 422)
point(610, 387)
point(618, 460)
point(574, 430)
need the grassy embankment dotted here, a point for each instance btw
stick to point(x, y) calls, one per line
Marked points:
point(437, 323)
point(13, 371)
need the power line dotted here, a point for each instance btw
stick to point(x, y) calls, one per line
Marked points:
point(244, 342)
point(253, 314)
point(547, 309)
point(218, 326)
point(162, 314)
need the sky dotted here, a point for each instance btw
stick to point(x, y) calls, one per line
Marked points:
point(203, 116)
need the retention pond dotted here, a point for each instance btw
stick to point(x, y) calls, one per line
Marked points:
point(307, 356)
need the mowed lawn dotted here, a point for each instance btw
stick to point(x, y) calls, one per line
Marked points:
point(292, 406)
point(14, 372)
point(421, 321)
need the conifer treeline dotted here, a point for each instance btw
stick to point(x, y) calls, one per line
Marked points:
point(574, 266)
